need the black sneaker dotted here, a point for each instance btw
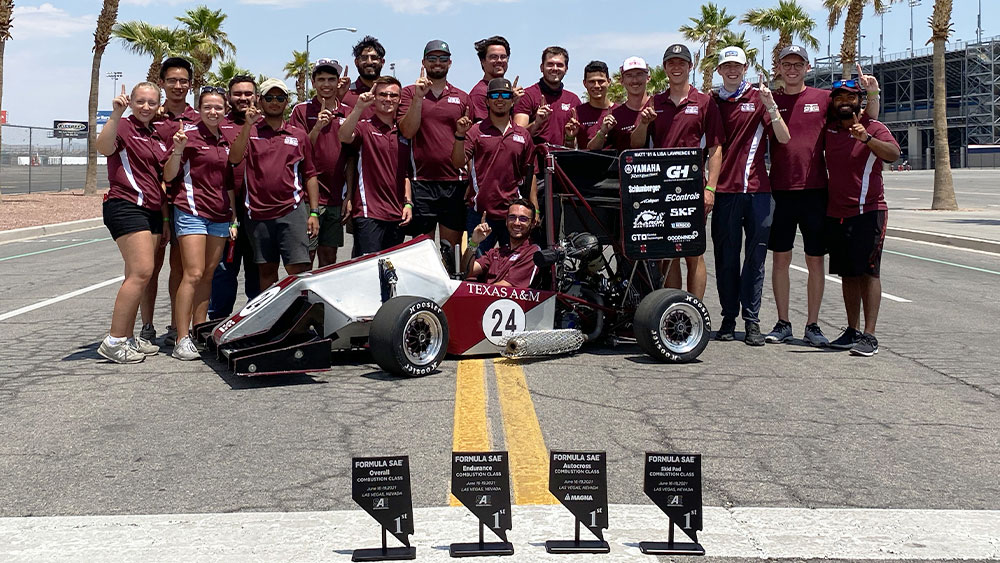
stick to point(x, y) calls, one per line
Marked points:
point(781, 332)
point(727, 331)
point(752, 336)
point(867, 346)
point(847, 339)
point(814, 336)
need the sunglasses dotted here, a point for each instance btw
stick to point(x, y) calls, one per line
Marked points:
point(327, 62)
point(437, 58)
point(213, 90)
point(275, 98)
point(852, 83)
point(518, 219)
point(499, 95)
point(494, 58)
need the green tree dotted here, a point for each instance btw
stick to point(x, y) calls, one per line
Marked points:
point(789, 20)
point(102, 35)
point(156, 41)
point(944, 185)
point(730, 39)
point(205, 40)
point(853, 9)
point(298, 68)
point(227, 69)
point(6, 18)
point(707, 30)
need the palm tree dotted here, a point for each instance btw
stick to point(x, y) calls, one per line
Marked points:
point(105, 22)
point(205, 40)
point(6, 17)
point(156, 41)
point(789, 20)
point(944, 186)
point(730, 39)
point(707, 30)
point(852, 26)
point(298, 68)
point(227, 70)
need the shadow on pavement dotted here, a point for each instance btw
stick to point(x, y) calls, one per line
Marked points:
point(86, 352)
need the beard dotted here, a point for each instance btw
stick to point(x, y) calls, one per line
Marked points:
point(372, 75)
point(847, 111)
point(437, 75)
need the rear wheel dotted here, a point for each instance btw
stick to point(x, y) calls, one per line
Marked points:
point(672, 325)
point(409, 336)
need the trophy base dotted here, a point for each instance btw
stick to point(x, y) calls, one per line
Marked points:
point(571, 546)
point(384, 554)
point(477, 549)
point(671, 548)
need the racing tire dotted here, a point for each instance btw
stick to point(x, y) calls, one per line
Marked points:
point(672, 325)
point(409, 336)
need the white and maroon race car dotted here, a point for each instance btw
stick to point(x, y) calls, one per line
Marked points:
point(403, 305)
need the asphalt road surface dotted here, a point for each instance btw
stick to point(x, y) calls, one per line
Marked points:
point(913, 433)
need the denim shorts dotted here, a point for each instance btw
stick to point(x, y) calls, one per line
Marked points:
point(187, 224)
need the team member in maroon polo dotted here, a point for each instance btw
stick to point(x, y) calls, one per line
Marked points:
point(499, 155)
point(798, 186)
point(856, 146)
point(133, 210)
point(429, 109)
point(204, 216)
point(321, 118)
point(512, 264)
point(494, 55)
point(683, 117)
point(278, 157)
point(588, 117)
point(547, 106)
point(743, 204)
point(381, 204)
point(369, 58)
point(616, 129)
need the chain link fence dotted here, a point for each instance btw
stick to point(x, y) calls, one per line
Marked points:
point(33, 160)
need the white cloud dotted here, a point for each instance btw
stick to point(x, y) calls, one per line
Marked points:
point(148, 2)
point(48, 21)
point(277, 3)
point(655, 41)
point(436, 6)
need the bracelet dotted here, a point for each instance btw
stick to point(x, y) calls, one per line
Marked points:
point(408, 204)
point(166, 219)
point(873, 93)
point(234, 225)
point(710, 188)
point(314, 214)
point(473, 245)
point(866, 141)
point(457, 138)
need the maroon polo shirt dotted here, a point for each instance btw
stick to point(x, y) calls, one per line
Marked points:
point(747, 128)
point(590, 119)
point(799, 164)
point(553, 131)
point(204, 176)
point(854, 170)
point(694, 123)
point(351, 98)
point(514, 266)
point(499, 163)
point(135, 170)
point(277, 164)
point(328, 157)
point(620, 136)
point(430, 148)
point(169, 123)
point(477, 96)
point(382, 171)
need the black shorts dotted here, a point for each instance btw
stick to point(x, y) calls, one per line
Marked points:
point(122, 217)
point(802, 209)
point(285, 238)
point(436, 202)
point(855, 244)
point(373, 235)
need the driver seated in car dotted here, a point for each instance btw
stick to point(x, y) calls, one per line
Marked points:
point(510, 265)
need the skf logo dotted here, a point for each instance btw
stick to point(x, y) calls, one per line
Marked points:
point(679, 171)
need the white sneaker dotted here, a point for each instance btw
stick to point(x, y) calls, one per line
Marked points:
point(146, 347)
point(185, 350)
point(121, 353)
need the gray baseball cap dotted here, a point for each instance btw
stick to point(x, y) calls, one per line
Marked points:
point(436, 45)
point(794, 50)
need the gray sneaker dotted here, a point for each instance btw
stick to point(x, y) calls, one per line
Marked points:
point(148, 333)
point(814, 336)
point(146, 346)
point(170, 338)
point(122, 353)
point(781, 332)
point(185, 350)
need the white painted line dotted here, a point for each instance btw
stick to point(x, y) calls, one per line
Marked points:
point(62, 297)
point(932, 191)
point(939, 245)
point(835, 279)
point(755, 533)
point(912, 198)
point(958, 237)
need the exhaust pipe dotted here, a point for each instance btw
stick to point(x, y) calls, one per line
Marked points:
point(543, 343)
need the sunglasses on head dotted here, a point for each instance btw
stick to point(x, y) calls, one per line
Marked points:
point(499, 95)
point(275, 98)
point(852, 83)
point(437, 58)
point(327, 62)
point(213, 90)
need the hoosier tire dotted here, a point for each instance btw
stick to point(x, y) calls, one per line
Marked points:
point(409, 336)
point(672, 325)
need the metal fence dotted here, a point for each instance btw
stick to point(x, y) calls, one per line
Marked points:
point(33, 160)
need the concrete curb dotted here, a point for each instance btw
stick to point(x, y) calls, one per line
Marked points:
point(14, 235)
point(941, 238)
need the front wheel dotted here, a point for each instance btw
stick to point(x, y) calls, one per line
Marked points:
point(672, 325)
point(409, 336)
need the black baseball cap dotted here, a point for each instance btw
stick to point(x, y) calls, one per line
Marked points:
point(436, 45)
point(499, 85)
point(794, 50)
point(677, 51)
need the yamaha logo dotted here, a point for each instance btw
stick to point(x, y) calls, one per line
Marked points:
point(642, 168)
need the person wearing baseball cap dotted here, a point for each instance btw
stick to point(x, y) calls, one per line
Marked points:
point(681, 117)
point(278, 156)
point(743, 205)
point(428, 111)
point(320, 118)
point(617, 127)
point(799, 189)
point(856, 146)
point(588, 117)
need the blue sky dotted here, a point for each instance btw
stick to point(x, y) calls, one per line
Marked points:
point(47, 63)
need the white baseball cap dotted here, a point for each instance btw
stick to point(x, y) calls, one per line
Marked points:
point(732, 54)
point(633, 63)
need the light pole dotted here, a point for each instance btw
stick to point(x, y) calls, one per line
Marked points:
point(116, 76)
point(881, 36)
point(979, 23)
point(309, 39)
point(392, 68)
point(763, 50)
point(913, 4)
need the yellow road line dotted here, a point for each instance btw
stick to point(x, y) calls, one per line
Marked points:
point(529, 458)
point(471, 433)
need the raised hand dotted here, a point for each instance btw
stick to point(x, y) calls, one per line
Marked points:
point(481, 231)
point(463, 124)
point(765, 94)
point(868, 82)
point(608, 123)
point(422, 85)
point(518, 91)
point(343, 85)
point(572, 128)
point(858, 130)
point(120, 103)
point(648, 115)
point(325, 115)
point(543, 114)
point(367, 99)
point(180, 141)
point(251, 115)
